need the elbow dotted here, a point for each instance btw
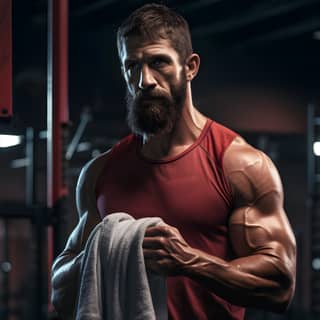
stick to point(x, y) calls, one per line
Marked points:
point(57, 295)
point(56, 301)
point(62, 304)
point(277, 297)
point(63, 291)
point(283, 299)
point(63, 297)
point(285, 288)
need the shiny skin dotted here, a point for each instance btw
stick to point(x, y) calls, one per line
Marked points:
point(263, 274)
point(149, 66)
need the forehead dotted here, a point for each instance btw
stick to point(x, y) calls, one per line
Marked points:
point(135, 47)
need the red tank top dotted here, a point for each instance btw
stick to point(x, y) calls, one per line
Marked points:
point(188, 191)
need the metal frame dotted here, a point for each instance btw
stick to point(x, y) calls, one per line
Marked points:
point(39, 217)
point(313, 217)
point(6, 59)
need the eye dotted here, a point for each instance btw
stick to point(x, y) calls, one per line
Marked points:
point(159, 63)
point(131, 67)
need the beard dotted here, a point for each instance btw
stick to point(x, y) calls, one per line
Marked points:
point(152, 112)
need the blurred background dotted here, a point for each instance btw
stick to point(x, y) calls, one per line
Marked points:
point(259, 75)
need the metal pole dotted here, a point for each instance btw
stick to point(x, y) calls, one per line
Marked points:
point(311, 207)
point(57, 122)
point(5, 269)
point(85, 119)
point(30, 169)
point(5, 59)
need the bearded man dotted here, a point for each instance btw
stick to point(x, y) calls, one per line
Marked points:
point(226, 243)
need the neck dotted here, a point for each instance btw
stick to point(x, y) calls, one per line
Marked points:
point(186, 131)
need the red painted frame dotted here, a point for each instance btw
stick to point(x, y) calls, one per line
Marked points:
point(6, 58)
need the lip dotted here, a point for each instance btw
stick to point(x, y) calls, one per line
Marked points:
point(147, 98)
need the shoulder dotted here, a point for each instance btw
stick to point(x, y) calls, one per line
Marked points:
point(85, 189)
point(221, 134)
point(240, 155)
point(89, 175)
point(250, 172)
point(216, 140)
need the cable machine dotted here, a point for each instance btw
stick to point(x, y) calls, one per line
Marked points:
point(313, 217)
point(48, 220)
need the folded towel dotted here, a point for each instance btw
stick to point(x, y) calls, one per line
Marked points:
point(114, 284)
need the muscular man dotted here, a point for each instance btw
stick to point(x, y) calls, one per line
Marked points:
point(227, 243)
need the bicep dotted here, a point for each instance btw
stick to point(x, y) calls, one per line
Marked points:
point(262, 238)
point(255, 233)
point(260, 232)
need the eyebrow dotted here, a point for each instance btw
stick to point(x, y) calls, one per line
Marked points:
point(149, 57)
point(162, 56)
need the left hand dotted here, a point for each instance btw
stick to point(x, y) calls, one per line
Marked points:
point(165, 251)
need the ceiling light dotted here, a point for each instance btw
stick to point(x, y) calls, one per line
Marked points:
point(316, 35)
point(9, 140)
point(316, 264)
point(316, 148)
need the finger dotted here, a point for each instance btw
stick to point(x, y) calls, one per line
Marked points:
point(162, 229)
point(156, 255)
point(153, 242)
point(154, 267)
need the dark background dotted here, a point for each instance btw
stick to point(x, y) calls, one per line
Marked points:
point(260, 66)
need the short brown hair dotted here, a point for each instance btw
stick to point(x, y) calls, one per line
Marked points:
point(154, 21)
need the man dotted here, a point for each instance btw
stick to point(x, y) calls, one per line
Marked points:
point(227, 243)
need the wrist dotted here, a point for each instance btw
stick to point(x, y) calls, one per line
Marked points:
point(190, 262)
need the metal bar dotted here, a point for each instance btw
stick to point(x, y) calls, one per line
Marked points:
point(308, 25)
point(21, 211)
point(57, 97)
point(307, 276)
point(94, 6)
point(316, 121)
point(50, 120)
point(8, 216)
point(258, 13)
point(16, 210)
point(85, 119)
point(5, 268)
point(49, 107)
point(41, 290)
point(195, 5)
point(5, 58)
point(39, 225)
point(57, 121)
point(61, 124)
point(30, 169)
point(310, 155)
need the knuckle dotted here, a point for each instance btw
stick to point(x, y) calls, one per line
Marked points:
point(166, 228)
point(162, 240)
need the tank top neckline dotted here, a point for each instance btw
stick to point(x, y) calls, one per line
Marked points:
point(175, 157)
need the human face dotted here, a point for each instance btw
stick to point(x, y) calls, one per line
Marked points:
point(156, 85)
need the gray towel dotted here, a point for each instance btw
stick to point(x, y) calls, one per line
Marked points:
point(114, 284)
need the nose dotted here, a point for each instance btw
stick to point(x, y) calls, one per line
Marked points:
point(146, 78)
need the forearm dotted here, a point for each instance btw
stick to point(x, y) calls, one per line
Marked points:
point(263, 276)
point(65, 282)
point(253, 280)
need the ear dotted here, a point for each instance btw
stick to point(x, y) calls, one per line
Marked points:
point(192, 66)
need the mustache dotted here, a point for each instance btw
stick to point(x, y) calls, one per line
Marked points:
point(150, 96)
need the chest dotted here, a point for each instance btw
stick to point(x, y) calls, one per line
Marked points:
point(187, 194)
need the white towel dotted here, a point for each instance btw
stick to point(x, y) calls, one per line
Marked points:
point(114, 284)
